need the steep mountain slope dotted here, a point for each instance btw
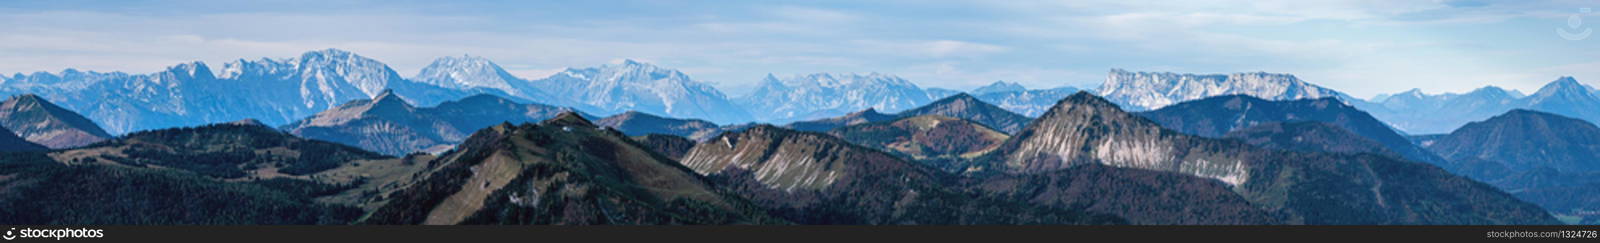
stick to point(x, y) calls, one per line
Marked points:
point(1541, 157)
point(1029, 103)
point(41, 122)
point(227, 150)
point(1308, 136)
point(636, 86)
point(1139, 91)
point(822, 125)
point(970, 108)
point(1522, 140)
point(812, 96)
point(1215, 116)
point(1141, 196)
point(390, 125)
point(962, 106)
point(813, 178)
point(334, 69)
point(10, 142)
point(564, 170)
point(636, 123)
point(674, 147)
point(1305, 188)
point(934, 140)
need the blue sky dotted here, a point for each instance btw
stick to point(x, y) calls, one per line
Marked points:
point(1360, 47)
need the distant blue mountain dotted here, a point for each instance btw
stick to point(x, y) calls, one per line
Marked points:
point(1418, 113)
point(279, 91)
point(999, 86)
point(1031, 103)
point(821, 95)
point(1217, 116)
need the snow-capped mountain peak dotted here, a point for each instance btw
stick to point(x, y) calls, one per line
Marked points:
point(1563, 85)
point(1414, 92)
point(1147, 90)
point(466, 71)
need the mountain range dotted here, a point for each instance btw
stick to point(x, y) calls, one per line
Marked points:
point(1029, 103)
point(1085, 129)
point(331, 137)
point(1217, 116)
point(930, 139)
point(273, 90)
point(813, 96)
point(568, 170)
point(634, 123)
point(1544, 158)
point(1419, 113)
point(960, 105)
point(41, 122)
point(1138, 91)
point(632, 85)
point(279, 91)
point(390, 125)
point(1309, 136)
point(10, 142)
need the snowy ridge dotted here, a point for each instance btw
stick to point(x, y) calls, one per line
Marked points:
point(632, 85)
point(1144, 90)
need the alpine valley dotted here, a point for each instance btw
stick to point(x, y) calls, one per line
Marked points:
point(330, 137)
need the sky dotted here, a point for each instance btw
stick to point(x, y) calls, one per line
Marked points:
point(1359, 47)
